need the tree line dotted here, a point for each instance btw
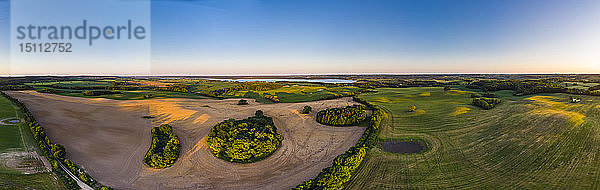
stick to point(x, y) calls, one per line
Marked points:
point(345, 165)
point(528, 87)
point(165, 147)
point(400, 83)
point(55, 153)
point(244, 141)
point(99, 92)
point(347, 116)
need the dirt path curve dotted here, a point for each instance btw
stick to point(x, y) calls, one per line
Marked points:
point(109, 139)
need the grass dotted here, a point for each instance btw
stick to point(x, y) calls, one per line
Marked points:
point(10, 136)
point(17, 138)
point(509, 147)
point(33, 181)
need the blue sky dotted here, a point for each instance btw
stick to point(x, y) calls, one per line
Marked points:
point(397, 36)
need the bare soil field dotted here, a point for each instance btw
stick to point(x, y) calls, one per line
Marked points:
point(109, 139)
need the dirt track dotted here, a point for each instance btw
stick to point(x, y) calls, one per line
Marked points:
point(109, 138)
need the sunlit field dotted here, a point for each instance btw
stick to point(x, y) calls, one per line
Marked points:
point(537, 141)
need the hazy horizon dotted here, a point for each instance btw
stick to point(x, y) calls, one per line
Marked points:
point(336, 37)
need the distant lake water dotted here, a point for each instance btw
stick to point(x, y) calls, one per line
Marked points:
point(336, 81)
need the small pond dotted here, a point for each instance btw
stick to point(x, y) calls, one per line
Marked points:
point(404, 147)
point(13, 121)
point(10, 121)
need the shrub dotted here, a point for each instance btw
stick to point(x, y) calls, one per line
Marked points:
point(412, 108)
point(147, 96)
point(165, 147)
point(242, 102)
point(273, 98)
point(306, 110)
point(244, 141)
point(347, 116)
point(486, 103)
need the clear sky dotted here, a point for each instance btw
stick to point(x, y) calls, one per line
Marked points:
point(372, 36)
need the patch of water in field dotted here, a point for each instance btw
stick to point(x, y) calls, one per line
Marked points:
point(13, 121)
point(405, 147)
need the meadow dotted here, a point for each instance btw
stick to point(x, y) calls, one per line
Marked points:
point(530, 142)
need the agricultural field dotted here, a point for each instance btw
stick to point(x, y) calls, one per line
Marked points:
point(82, 124)
point(531, 142)
point(193, 88)
point(579, 85)
point(21, 167)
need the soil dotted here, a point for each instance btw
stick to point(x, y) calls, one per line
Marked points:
point(109, 139)
point(24, 162)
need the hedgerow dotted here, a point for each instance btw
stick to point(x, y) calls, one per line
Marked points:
point(345, 165)
point(347, 116)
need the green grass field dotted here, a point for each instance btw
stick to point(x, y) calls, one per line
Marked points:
point(10, 137)
point(531, 142)
point(16, 138)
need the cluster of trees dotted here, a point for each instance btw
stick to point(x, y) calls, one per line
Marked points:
point(99, 92)
point(244, 141)
point(147, 96)
point(260, 86)
point(349, 115)
point(412, 108)
point(250, 86)
point(485, 94)
point(273, 98)
point(165, 147)
point(184, 88)
point(55, 153)
point(494, 85)
point(242, 102)
point(345, 165)
point(306, 110)
point(15, 87)
point(403, 83)
point(486, 103)
point(49, 91)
